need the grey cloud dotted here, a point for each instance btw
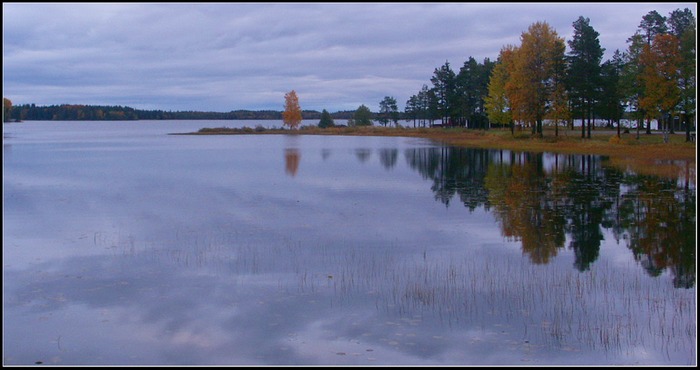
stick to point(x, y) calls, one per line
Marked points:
point(223, 57)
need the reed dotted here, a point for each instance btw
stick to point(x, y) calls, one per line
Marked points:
point(609, 308)
point(603, 309)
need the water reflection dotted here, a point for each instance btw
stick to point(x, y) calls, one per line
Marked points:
point(357, 261)
point(543, 201)
point(453, 171)
point(660, 223)
point(363, 154)
point(388, 157)
point(325, 153)
point(549, 202)
point(291, 161)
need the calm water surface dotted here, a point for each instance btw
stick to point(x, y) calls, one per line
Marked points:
point(125, 245)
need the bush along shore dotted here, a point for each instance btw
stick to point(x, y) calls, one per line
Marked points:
point(646, 154)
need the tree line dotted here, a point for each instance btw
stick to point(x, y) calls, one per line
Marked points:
point(538, 82)
point(77, 112)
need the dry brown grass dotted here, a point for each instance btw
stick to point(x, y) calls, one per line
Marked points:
point(647, 155)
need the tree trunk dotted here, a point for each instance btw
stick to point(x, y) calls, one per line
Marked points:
point(648, 126)
point(589, 121)
point(671, 124)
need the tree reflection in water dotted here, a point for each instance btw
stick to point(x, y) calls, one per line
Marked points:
point(542, 200)
point(291, 161)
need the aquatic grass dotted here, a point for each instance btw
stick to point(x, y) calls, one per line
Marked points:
point(602, 309)
point(608, 308)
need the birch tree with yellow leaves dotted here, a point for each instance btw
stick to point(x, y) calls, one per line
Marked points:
point(497, 105)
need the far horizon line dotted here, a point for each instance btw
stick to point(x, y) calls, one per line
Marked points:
point(175, 111)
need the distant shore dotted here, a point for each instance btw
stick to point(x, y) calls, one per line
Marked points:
point(648, 155)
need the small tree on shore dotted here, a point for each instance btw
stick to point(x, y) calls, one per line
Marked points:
point(326, 120)
point(388, 111)
point(363, 116)
point(292, 112)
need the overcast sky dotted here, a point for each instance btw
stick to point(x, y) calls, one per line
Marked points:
point(222, 57)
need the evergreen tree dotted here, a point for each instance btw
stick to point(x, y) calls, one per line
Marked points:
point(612, 99)
point(584, 70)
point(559, 101)
point(326, 120)
point(682, 25)
point(632, 88)
point(467, 92)
point(444, 86)
point(412, 109)
point(652, 24)
point(388, 111)
point(363, 116)
point(471, 89)
point(427, 105)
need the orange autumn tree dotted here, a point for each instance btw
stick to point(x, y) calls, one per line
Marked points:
point(292, 112)
point(661, 63)
point(531, 83)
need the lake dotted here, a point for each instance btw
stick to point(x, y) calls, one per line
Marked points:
point(123, 245)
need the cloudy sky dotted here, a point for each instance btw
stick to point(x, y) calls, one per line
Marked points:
point(222, 57)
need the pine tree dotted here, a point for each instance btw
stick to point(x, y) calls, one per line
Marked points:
point(363, 116)
point(444, 86)
point(584, 70)
point(326, 120)
point(388, 111)
point(682, 25)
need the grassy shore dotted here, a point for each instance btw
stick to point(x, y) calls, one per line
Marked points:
point(648, 154)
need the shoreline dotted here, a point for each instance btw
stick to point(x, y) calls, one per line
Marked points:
point(646, 155)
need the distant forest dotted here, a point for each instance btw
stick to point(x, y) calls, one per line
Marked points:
point(72, 112)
